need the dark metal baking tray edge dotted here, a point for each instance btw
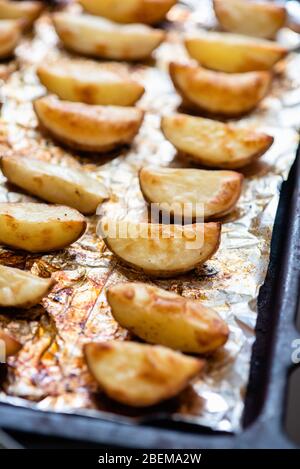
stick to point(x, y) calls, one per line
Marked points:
point(270, 364)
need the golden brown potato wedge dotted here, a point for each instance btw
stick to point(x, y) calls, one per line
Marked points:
point(255, 18)
point(20, 289)
point(195, 193)
point(98, 37)
point(88, 127)
point(233, 53)
point(8, 345)
point(39, 227)
point(161, 317)
point(90, 82)
point(161, 250)
point(214, 144)
point(140, 375)
point(10, 34)
point(56, 184)
point(129, 11)
point(220, 93)
point(26, 11)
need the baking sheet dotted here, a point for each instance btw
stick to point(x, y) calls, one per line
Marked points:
point(49, 373)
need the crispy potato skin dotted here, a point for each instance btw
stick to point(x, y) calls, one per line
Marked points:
point(164, 318)
point(219, 93)
point(163, 250)
point(91, 83)
point(130, 11)
point(21, 289)
point(26, 11)
point(260, 19)
point(216, 191)
point(139, 375)
point(231, 53)
point(214, 144)
point(39, 227)
point(11, 345)
point(86, 127)
point(97, 37)
point(54, 184)
point(10, 34)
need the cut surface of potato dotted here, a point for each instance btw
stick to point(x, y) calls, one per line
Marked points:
point(214, 144)
point(39, 227)
point(8, 345)
point(21, 289)
point(129, 11)
point(56, 184)
point(26, 11)
point(233, 53)
point(139, 375)
point(90, 82)
point(88, 127)
point(192, 192)
point(161, 250)
point(161, 317)
point(220, 93)
point(98, 37)
point(10, 33)
point(255, 18)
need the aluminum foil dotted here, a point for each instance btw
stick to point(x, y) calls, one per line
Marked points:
point(49, 373)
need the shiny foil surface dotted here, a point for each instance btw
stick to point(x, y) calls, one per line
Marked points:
point(49, 373)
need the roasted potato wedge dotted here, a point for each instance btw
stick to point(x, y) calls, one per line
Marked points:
point(25, 11)
point(56, 184)
point(10, 34)
point(214, 144)
point(98, 37)
point(139, 375)
point(90, 82)
point(20, 289)
point(161, 250)
point(255, 18)
point(217, 92)
point(233, 53)
point(8, 345)
point(161, 317)
point(192, 193)
point(39, 227)
point(88, 127)
point(129, 11)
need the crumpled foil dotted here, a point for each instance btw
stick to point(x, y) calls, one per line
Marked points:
point(49, 373)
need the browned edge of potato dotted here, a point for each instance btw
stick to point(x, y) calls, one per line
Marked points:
point(191, 193)
point(90, 82)
point(233, 53)
point(140, 375)
point(36, 227)
point(87, 127)
point(10, 35)
point(218, 93)
point(253, 18)
point(124, 11)
point(56, 184)
point(22, 289)
point(161, 317)
point(161, 250)
point(101, 38)
point(9, 346)
point(214, 144)
point(25, 11)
